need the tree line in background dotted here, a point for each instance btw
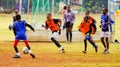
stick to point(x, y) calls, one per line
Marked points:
point(95, 6)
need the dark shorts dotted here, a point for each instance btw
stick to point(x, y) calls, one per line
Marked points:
point(68, 25)
point(20, 37)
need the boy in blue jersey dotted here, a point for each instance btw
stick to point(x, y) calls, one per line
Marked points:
point(20, 34)
point(106, 27)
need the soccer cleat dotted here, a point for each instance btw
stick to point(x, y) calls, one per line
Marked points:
point(96, 49)
point(84, 52)
point(62, 51)
point(106, 52)
point(16, 56)
point(33, 56)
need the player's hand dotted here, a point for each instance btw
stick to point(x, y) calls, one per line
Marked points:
point(79, 30)
point(59, 32)
point(43, 26)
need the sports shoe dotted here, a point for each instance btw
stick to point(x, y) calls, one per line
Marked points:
point(62, 50)
point(84, 52)
point(16, 56)
point(33, 56)
point(96, 49)
point(106, 52)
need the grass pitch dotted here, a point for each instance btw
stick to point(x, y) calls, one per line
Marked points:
point(48, 55)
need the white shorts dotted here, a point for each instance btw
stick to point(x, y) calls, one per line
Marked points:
point(105, 34)
point(54, 35)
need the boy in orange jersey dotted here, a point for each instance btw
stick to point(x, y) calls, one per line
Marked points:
point(54, 25)
point(87, 28)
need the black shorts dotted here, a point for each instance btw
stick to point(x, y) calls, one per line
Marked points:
point(68, 25)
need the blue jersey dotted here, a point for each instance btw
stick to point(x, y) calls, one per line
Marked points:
point(20, 30)
point(104, 20)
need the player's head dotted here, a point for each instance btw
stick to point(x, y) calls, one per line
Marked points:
point(68, 8)
point(105, 10)
point(18, 17)
point(87, 13)
point(86, 18)
point(49, 16)
point(65, 7)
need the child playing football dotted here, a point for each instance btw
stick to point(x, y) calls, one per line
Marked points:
point(54, 25)
point(20, 34)
point(87, 28)
point(106, 27)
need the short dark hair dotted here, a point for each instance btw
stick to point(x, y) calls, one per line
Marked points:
point(105, 9)
point(65, 7)
point(18, 17)
point(88, 11)
point(49, 14)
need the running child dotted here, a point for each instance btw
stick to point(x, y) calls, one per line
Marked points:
point(55, 26)
point(88, 28)
point(20, 34)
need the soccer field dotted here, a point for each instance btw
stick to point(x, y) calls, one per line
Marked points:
point(48, 55)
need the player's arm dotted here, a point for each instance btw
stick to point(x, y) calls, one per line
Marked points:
point(14, 30)
point(28, 25)
point(94, 28)
point(59, 23)
point(45, 26)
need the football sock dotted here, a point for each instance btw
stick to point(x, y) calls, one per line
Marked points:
point(30, 51)
point(67, 35)
point(16, 42)
point(26, 43)
point(70, 36)
point(16, 49)
point(28, 47)
point(55, 42)
point(85, 45)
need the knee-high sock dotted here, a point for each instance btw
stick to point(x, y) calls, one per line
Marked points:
point(85, 45)
point(55, 42)
point(15, 46)
point(27, 45)
point(70, 36)
point(67, 36)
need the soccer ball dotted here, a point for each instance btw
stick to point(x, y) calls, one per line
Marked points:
point(25, 50)
point(10, 27)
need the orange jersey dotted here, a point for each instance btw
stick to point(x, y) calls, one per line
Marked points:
point(52, 25)
point(87, 27)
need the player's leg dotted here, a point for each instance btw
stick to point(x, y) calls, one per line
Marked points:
point(107, 42)
point(30, 51)
point(67, 34)
point(70, 30)
point(89, 38)
point(54, 36)
point(85, 46)
point(103, 41)
point(17, 55)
